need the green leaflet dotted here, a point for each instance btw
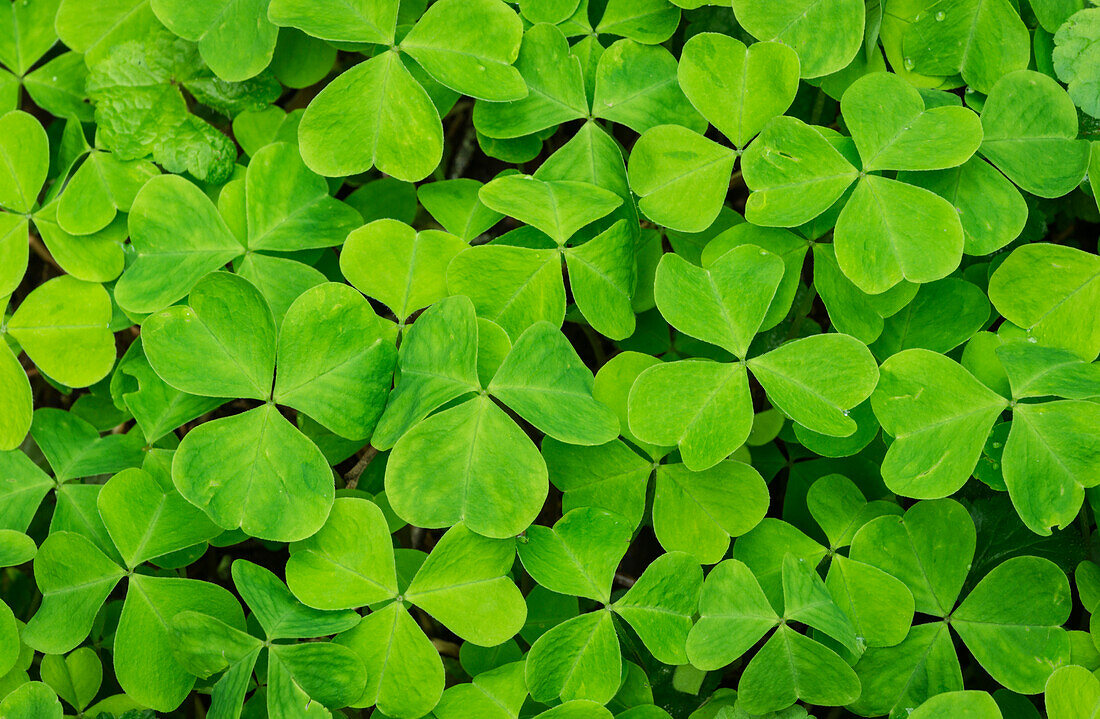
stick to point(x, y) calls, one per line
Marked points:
point(493, 478)
point(798, 24)
point(271, 480)
point(939, 415)
point(210, 24)
point(1075, 47)
point(403, 130)
point(1041, 155)
point(25, 151)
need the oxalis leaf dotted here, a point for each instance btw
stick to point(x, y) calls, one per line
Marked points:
point(462, 359)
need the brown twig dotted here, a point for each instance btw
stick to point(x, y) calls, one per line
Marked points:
point(41, 251)
point(351, 479)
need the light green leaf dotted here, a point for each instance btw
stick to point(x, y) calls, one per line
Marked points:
point(255, 471)
point(279, 614)
point(636, 86)
point(23, 485)
point(32, 700)
point(14, 251)
point(58, 86)
point(961, 704)
point(661, 604)
point(704, 408)
point(897, 678)
point(555, 89)
point(818, 380)
point(698, 512)
point(178, 237)
point(514, 287)
point(893, 129)
point(336, 360)
point(471, 464)
point(76, 677)
point(577, 659)
point(681, 177)
point(497, 693)
point(16, 402)
point(25, 155)
point(558, 208)
point(544, 381)
point(145, 664)
point(723, 304)
point(64, 327)
point(1033, 370)
point(1076, 49)
point(1011, 622)
point(1049, 290)
point(378, 102)
point(826, 35)
point(791, 667)
point(737, 88)
point(603, 276)
point(943, 315)
point(889, 231)
point(147, 520)
point(437, 363)
point(103, 186)
point(879, 605)
point(1050, 459)
point(1037, 150)
point(469, 46)
point(235, 37)
point(939, 415)
point(579, 555)
point(646, 21)
point(26, 34)
point(794, 174)
point(93, 27)
point(348, 563)
point(981, 39)
point(75, 578)
point(456, 206)
point(609, 476)
point(157, 408)
point(930, 549)
point(280, 280)
point(991, 209)
point(199, 348)
point(404, 269)
point(288, 207)
point(98, 257)
point(734, 615)
point(1072, 692)
point(464, 584)
point(312, 675)
point(393, 649)
point(339, 20)
point(15, 548)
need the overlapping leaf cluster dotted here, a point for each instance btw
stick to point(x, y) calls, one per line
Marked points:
point(570, 359)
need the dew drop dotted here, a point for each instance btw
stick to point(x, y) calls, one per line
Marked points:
point(940, 16)
point(909, 64)
point(996, 445)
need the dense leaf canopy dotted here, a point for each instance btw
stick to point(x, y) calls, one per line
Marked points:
point(549, 359)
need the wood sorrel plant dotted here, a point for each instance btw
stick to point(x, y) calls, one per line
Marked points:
point(557, 359)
